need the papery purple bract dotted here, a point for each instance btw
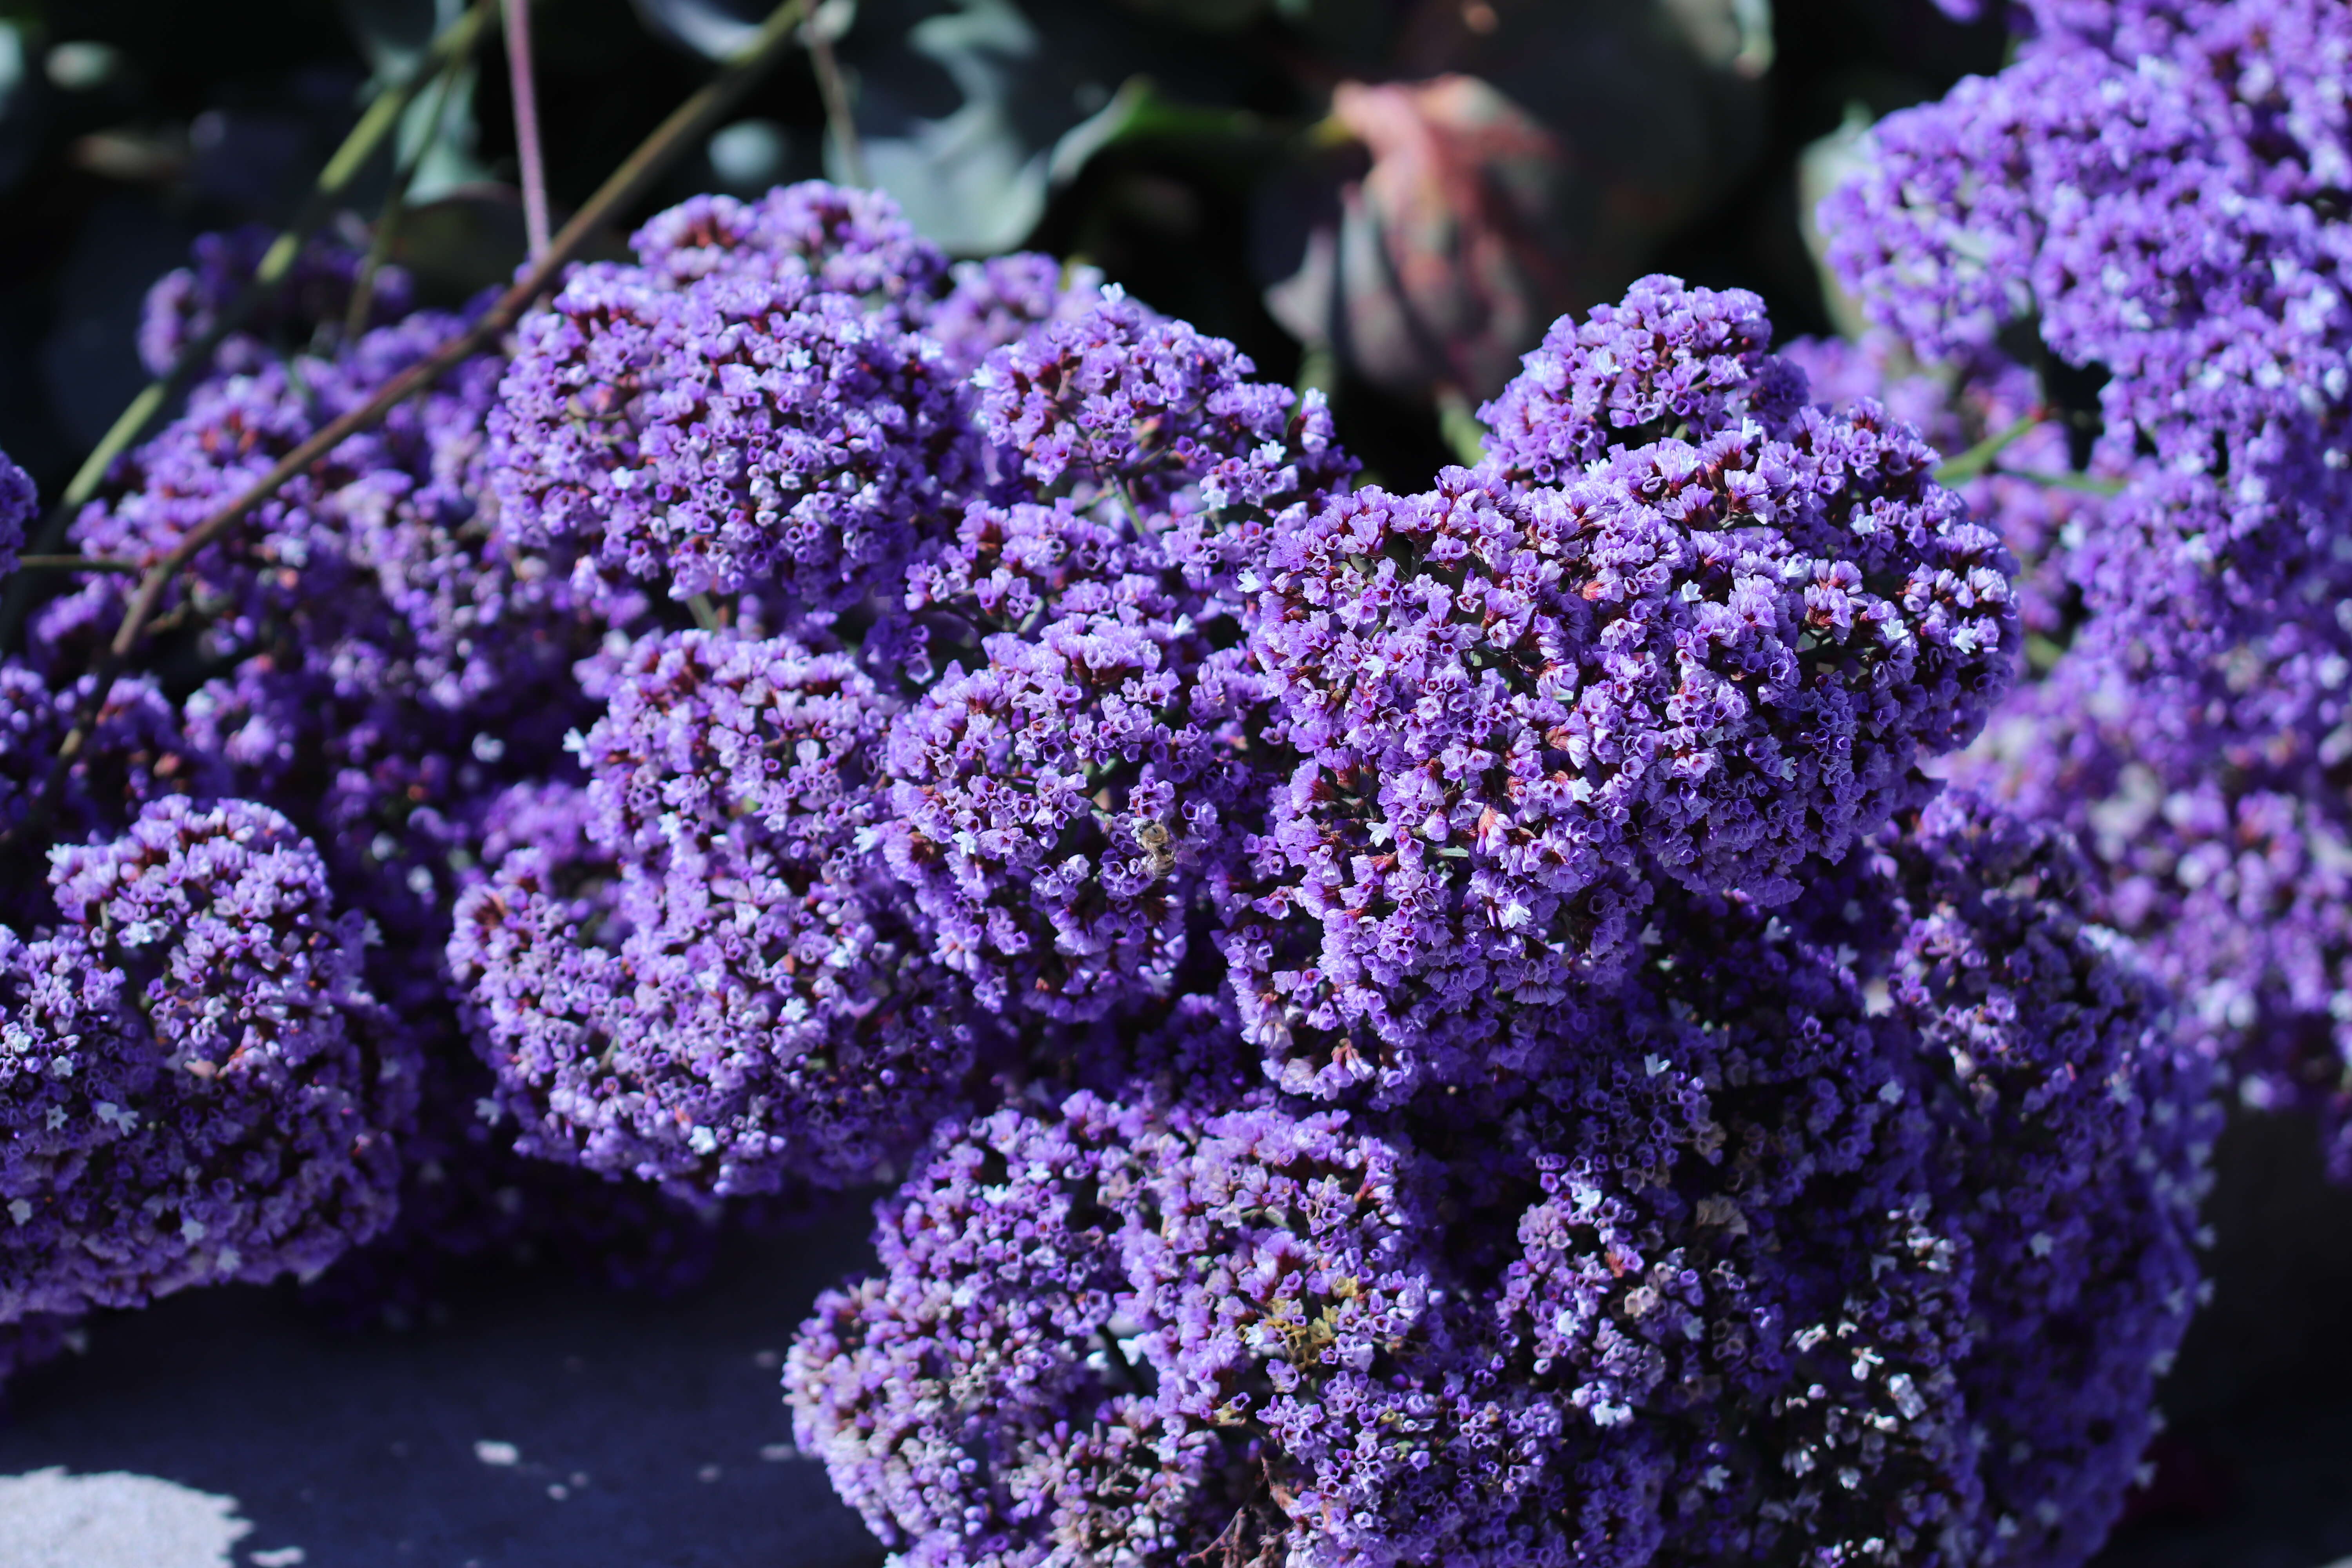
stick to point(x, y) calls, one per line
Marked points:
point(1519, 706)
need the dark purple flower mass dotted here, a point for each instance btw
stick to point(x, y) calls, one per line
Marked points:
point(1665, 362)
point(19, 510)
point(696, 980)
point(1139, 407)
point(200, 1086)
point(999, 302)
point(736, 424)
point(1756, 1269)
point(2152, 192)
point(845, 241)
point(2151, 187)
point(1518, 706)
point(316, 295)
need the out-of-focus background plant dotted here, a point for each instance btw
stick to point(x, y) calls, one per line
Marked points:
point(1391, 199)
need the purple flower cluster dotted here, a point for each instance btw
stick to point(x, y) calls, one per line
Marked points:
point(2153, 186)
point(135, 754)
point(736, 434)
point(2081, 1148)
point(695, 981)
point(1058, 810)
point(381, 668)
point(844, 241)
point(2223, 854)
point(1517, 706)
point(992, 304)
point(200, 1086)
point(1987, 397)
point(2153, 190)
point(1664, 362)
point(1007, 796)
point(1760, 1270)
point(1441, 1027)
point(1142, 408)
point(315, 295)
point(19, 508)
point(1684, 1131)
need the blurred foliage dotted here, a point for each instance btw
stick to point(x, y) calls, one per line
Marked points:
point(1390, 199)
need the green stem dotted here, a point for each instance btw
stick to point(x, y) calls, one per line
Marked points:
point(1960, 470)
point(77, 564)
point(395, 202)
point(2084, 484)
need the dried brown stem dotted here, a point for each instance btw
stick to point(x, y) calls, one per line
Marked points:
point(532, 166)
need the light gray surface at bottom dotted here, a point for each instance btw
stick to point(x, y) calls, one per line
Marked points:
point(543, 1425)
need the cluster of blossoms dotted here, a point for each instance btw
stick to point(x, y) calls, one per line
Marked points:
point(2148, 203)
point(1754, 1269)
point(199, 1084)
point(1448, 1027)
point(364, 660)
point(316, 295)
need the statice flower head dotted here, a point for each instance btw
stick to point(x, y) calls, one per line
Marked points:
point(1519, 705)
point(1667, 361)
point(745, 433)
point(1728, 1260)
point(1062, 783)
point(234, 430)
point(2150, 189)
point(999, 302)
point(707, 983)
point(200, 1086)
point(2076, 1146)
point(315, 294)
point(1060, 810)
point(1038, 1376)
point(136, 752)
point(20, 508)
point(467, 1195)
point(385, 666)
point(2024, 495)
point(845, 241)
point(1733, 1273)
point(1142, 407)
point(377, 549)
point(381, 665)
point(2220, 844)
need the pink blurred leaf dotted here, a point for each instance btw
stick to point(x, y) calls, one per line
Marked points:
point(1448, 252)
point(1539, 148)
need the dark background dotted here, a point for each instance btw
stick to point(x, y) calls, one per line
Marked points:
point(215, 115)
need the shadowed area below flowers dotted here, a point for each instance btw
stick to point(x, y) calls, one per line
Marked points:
point(228, 1428)
point(537, 1423)
point(2250, 1473)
